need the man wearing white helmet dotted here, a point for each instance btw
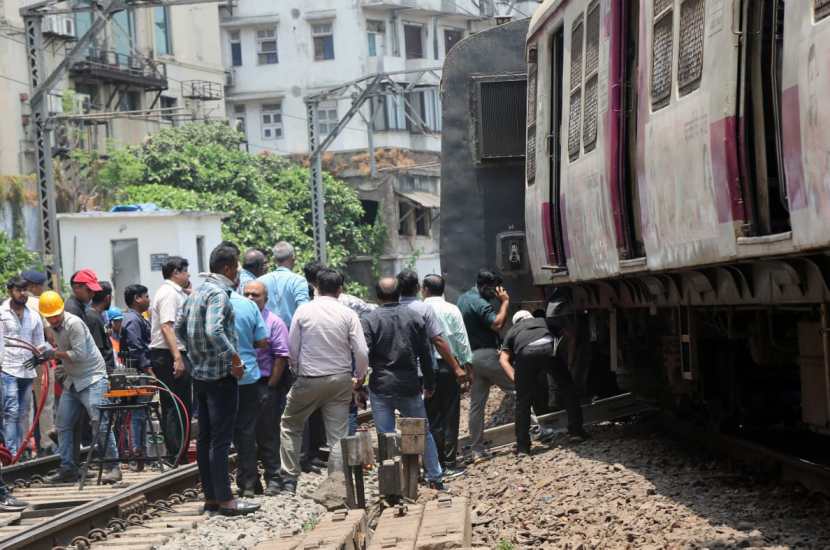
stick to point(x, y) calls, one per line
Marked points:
point(531, 347)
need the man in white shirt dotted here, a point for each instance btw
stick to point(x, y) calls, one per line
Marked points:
point(167, 354)
point(19, 321)
point(324, 336)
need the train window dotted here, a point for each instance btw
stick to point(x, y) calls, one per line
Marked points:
point(690, 49)
point(822, 9)
point(589, 124)
point(502, 118)
point(530, 158)
point(575, 111)
point(661, 54)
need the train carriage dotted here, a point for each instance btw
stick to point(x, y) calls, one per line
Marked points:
point(677, 188)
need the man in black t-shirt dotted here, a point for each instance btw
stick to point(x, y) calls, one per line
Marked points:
point(532, 347)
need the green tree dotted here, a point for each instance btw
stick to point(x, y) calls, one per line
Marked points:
point(15, 257)
point(266, 197)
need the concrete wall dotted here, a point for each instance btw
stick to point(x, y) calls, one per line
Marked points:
point(86, 242)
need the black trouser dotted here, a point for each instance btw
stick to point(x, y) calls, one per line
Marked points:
point(217, 401)
point(162, 361)
point(314, 436)
point(443, 411)
point(244, 435)
point(527, 372)
point(268, 428)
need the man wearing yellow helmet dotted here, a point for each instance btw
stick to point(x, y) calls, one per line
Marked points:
point(83, 388)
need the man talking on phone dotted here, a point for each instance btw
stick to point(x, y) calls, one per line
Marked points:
point(483, 323)
point(207, 330)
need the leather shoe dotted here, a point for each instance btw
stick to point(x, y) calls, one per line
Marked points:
point(275, 487)
point(242, 508)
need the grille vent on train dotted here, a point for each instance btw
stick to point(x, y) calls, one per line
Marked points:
point(661, 62)
point(661, 5)
point(573, 124)
point(822, 9)
point(690, 49)
point(503, 115)
point(575, 85)
point(591, 89)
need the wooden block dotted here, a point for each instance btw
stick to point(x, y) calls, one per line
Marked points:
point(365, 452)
point(397, 531)
point(390, 477)
point(413, 444)
point(411, 473)
point(446, 524)
point(351, 451)
point(389, 445)
point(412, 426)
point(339, 530)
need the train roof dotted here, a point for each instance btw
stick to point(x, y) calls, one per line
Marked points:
point(542, 13)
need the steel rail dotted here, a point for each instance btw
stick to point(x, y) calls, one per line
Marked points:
point(96, 514)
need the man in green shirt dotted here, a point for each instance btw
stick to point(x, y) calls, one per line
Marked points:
point(483, 323)
point(444, 407)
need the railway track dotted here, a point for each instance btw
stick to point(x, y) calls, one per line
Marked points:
point(99, 516)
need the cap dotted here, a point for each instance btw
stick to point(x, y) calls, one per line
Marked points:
point(520, 315)
point(34, 277)
point(87, 277)
point(114, 314)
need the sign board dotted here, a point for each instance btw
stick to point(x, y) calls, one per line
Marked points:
point(157, 261)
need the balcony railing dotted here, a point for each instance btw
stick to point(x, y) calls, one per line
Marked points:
point(112, 66)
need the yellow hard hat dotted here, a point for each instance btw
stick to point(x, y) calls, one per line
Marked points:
point(50, 304)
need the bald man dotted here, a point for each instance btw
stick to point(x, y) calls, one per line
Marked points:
point(272, 388)
point(254, 265)
point(398, 345)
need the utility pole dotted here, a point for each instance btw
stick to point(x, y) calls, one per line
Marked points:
point(43, 84)
point(360, 91)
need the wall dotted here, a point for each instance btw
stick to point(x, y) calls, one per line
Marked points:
point(86, 242)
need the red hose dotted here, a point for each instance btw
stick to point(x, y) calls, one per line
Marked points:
point(186, 439)
point(44, 394)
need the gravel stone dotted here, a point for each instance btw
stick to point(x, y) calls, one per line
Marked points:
point(279, 514)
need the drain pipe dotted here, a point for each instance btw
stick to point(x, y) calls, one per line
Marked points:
point(825, 338)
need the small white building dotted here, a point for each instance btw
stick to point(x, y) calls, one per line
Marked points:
point(130, 247)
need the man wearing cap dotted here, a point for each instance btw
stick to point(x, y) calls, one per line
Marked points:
point(84, 385)
point(84, 284)
point(530, 348)
point(19, 322)
point(35, 285)
point(8, 503)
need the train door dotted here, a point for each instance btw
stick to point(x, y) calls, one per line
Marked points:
point(629, 56)
point(554, 145)
point(764, 184)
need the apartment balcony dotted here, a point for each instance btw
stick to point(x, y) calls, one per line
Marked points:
point(120, 69)
point(463, 8)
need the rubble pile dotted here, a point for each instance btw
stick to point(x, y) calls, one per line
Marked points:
point(624, 490)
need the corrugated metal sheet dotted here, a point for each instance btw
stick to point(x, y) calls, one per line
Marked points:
point(427, 200)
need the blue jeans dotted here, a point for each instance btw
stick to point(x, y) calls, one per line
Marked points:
point(138, 426)
point(383, 411)
point(69, 408)
point(17, 403)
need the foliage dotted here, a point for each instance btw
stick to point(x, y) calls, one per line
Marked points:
point(504, 544)
point(266, 197)
point(15, 257)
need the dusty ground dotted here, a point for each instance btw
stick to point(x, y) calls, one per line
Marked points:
point(628, 488)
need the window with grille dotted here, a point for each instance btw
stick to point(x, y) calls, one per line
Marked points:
point(690, 49)
point(532, 74)
point(271, 120)
point(236, 48)
point(822, 9)
point(502, 104)
point(326, 117)
point(661, 53)
point(322, 34)
point(575, 110)
point(590, 114)
point(266, 46)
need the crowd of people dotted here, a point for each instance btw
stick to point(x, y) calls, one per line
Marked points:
point(272, 363)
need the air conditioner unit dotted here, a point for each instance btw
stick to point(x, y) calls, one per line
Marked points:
point(59, 25)
point(230, 78)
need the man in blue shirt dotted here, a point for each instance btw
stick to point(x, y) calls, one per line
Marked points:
point(251, 332)
point(286, 290)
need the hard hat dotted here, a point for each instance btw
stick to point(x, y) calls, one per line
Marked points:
point(50, 304)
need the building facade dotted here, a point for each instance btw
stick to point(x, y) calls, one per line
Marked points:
point(148, 58)
point(279, 53)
